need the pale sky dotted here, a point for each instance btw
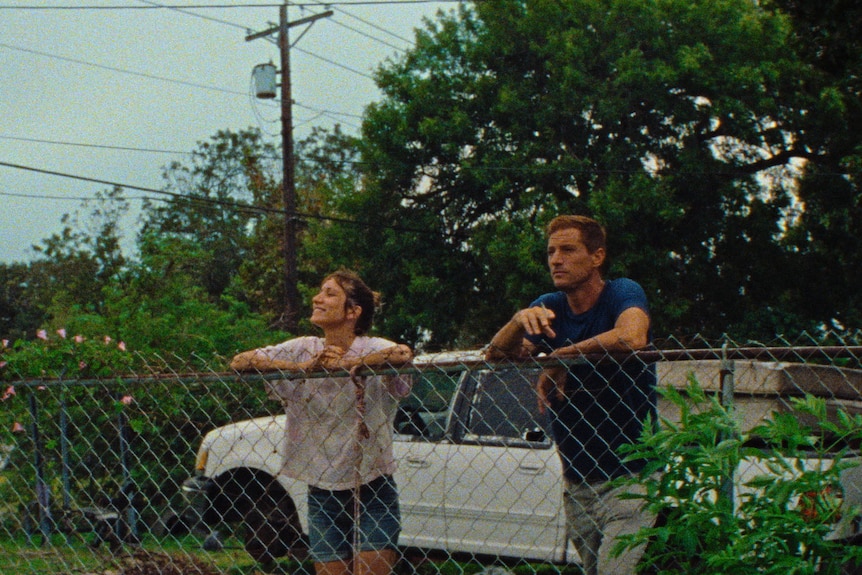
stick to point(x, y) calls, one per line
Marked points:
point(114, 90)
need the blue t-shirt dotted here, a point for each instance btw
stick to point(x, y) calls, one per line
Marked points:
point(605, 403)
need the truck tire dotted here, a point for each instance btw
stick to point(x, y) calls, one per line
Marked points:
point(270, 529)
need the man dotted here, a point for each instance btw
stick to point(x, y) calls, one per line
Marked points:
point(595, 408)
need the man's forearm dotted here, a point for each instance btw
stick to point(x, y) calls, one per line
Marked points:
point(609, 341)
point(507, 343)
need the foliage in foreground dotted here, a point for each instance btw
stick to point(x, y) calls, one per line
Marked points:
point(778, 522)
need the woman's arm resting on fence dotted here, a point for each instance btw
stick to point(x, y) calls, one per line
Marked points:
point(258, 361)
point(330, 358)
point(395, 356)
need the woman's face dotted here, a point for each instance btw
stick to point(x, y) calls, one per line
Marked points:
point(328, 307)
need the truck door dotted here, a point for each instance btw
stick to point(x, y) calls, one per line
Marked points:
point(422, 448)
point(503, 476)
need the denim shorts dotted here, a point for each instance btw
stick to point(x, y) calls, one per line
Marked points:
point(331, 520)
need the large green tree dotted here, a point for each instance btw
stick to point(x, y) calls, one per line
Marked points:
point(828, 140)
point(71, 270)
point(674, 122)
point(209, 253)
point(20, 313)
point(228, 211)
point(220, 194)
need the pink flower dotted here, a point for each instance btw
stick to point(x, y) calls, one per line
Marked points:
point(17, 428)
point(10, 391)
point(41, 388)
point(62, 332)
point(82, 364)
point(107, 339)
point(122, 346)
point(5, 343)
point(79, 339)
point(2, 364)
point(42, 334)
point(127, 400)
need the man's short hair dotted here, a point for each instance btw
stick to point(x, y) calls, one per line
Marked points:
point(592, 232)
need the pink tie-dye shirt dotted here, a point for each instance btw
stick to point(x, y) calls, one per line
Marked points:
point(323, 446)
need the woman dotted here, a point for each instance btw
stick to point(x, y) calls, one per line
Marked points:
point(339, 429)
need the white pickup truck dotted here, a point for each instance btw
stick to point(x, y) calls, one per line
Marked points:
point(477, 470)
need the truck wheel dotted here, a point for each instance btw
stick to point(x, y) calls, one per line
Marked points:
point(270, 529)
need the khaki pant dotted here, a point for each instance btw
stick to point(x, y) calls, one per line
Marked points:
point(595, 516)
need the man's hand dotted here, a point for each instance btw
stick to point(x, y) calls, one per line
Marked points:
point(510, 343)
point(552, 379)
point(536, 321)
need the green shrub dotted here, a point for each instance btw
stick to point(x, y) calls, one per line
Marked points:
point(101, 425)
point(779, 522)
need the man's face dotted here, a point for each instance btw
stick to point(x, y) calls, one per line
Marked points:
point(570, 263)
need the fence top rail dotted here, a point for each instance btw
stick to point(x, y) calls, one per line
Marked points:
point(474, 359)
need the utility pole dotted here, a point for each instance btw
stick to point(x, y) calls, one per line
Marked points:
point(288, 184)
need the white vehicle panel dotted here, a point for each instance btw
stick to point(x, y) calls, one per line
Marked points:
point(505, 501)
point(421, 480)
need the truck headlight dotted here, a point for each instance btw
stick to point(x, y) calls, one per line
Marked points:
point(201, 461)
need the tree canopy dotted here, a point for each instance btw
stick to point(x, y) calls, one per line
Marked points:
point(687, 128)
point(719, 142)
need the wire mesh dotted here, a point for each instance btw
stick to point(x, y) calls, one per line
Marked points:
point(184, 472)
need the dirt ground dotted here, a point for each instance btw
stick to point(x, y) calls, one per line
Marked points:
point(142, 562)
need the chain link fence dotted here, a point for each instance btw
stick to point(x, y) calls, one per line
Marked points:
point(172, 472)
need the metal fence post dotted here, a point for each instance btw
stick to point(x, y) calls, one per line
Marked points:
point(64, 456)
point(128, 490)
point(726, 370)
point(43, 496)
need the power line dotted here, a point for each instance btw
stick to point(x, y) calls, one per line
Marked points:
point(375, 26)
point(97, 146)
point(369, 36)
point(120, 70)
point(183, 82)
point(64, 198)
point(333, 62)
point(234, 6)
point(134, 187)
point(162, 78)
point(123, 148)
point(246, 28)
point(158, 6)
point(486, 168)
point(194, 14)
point(239, 206)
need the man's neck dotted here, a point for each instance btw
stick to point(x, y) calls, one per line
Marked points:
point(586, 295)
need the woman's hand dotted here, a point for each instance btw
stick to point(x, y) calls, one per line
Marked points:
point(328, 359)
